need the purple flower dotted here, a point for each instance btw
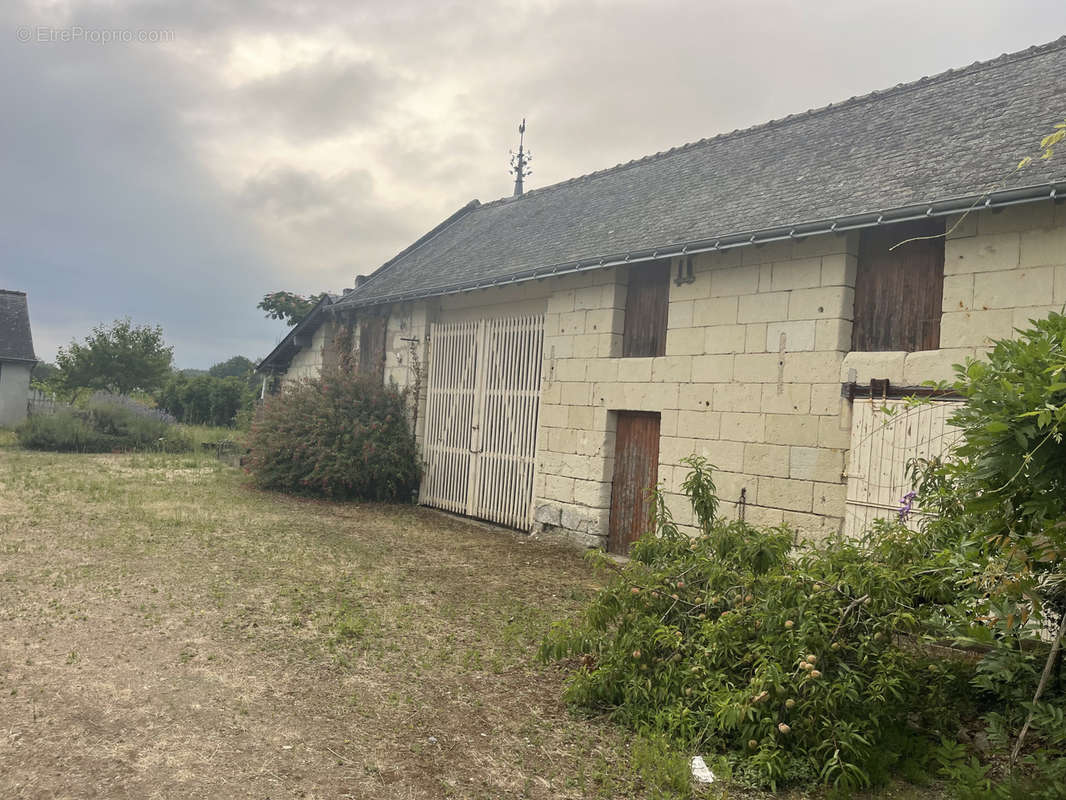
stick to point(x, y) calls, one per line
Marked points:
point(906, 504)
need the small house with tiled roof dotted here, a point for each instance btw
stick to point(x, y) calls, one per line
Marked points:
point(756, 298)
point(17, 359)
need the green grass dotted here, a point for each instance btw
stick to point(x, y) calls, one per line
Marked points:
point(211, 434)
point(166, 630)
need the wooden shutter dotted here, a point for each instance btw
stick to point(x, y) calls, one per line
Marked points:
point(647, 303)
point(636, 470)
point(372, 347)
point(898, 293)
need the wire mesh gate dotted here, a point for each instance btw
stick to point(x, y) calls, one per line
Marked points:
point(885, 436)
point(482, 405)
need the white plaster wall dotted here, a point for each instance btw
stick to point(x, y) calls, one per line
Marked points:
point(14, 391)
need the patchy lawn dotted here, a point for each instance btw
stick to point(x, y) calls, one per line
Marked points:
point(166, 631)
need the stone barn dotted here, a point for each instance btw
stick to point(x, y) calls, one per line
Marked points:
point(757, 298)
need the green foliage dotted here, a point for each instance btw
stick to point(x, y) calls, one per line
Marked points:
point(207, 399)
point(338, 436)
point(288, 306)
point(1008, 478)
point(120, 358)
point(106, 425)
point(236, 367)
point(662, 769)
point(1000, 505)
point(44, 376)
point(788, 660)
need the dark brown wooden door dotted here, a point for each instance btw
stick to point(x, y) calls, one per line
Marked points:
point(636, 470)
point(898, 292)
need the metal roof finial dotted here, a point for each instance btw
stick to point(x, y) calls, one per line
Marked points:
point(520, 160)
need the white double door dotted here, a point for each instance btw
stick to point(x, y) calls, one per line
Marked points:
point(482, 405)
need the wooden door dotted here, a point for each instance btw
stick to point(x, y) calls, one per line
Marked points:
point(636, 470)
point(372, 333)
point(898, 291)
point(483, 402)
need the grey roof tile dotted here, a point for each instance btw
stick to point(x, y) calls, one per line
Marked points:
point(16, 340)
point(954, 135)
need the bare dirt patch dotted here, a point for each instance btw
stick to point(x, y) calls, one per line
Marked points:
point(167, 632)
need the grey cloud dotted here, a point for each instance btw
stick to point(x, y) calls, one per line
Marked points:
point(338, 222)
point(319, 100)
point(110, 207)
point(288, 191)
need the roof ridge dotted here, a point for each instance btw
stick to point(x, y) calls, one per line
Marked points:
point(900, 88)
point(12, 291)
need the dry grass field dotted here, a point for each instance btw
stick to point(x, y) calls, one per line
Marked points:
point(166, 631)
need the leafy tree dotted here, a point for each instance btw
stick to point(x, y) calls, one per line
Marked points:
point(236, 367)
point(1002, 500)
point(205, 399)
point(787, 661)
point(288, 306)
point(121, 358)
point(45, 376)
point(44, 371)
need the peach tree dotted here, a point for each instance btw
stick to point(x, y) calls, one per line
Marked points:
point(799, 665)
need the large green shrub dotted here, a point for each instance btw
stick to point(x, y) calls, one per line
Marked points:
point(794, 663)
point(1000, 505)
point(338, 436)
point(107, 423)
point(206, 399)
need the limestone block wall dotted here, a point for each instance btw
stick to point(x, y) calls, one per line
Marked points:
point(307, 363)
point(750, 380)
point(757, 347)
point(1001, 269)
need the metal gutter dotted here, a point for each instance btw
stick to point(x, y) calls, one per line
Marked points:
point(1002, 199)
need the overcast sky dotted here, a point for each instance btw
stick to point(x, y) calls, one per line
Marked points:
point(295, 144)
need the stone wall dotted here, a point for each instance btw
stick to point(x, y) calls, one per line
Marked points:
point(757, 348)
point(307, 363)
point(749, 381)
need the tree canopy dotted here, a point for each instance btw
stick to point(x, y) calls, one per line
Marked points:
point(289, 306)
point(120, 357)
point(236, 367)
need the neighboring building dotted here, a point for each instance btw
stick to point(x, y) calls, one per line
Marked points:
point(732, 298)
point(16, 357)
point(299, 355)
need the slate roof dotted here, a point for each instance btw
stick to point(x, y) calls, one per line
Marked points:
point(16, 341)
point(941, 140)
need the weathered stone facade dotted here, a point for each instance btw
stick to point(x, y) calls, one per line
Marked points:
point(757, 348)
point(308, 361)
